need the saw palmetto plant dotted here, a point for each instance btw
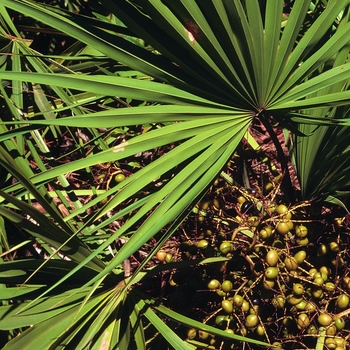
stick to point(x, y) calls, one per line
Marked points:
point(154, 97)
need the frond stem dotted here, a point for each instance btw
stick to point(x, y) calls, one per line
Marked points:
point(286, 180)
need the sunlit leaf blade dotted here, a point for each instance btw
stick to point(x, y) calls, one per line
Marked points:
point(308, 42)
point(65, 324)
point(27, 291)
point(257, 42)
point(327, 79)
point(131, 116)
point(176, 33)
point(14, 316)
point(319, 157)
point(159, 137)
point(111, 315)
point(165, 331)
point(113, 86)
point(61, 20)
point(272, 28)
point(138, 331)
point(190, 322)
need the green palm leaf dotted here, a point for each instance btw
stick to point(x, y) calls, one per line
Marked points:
point(209, 69)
